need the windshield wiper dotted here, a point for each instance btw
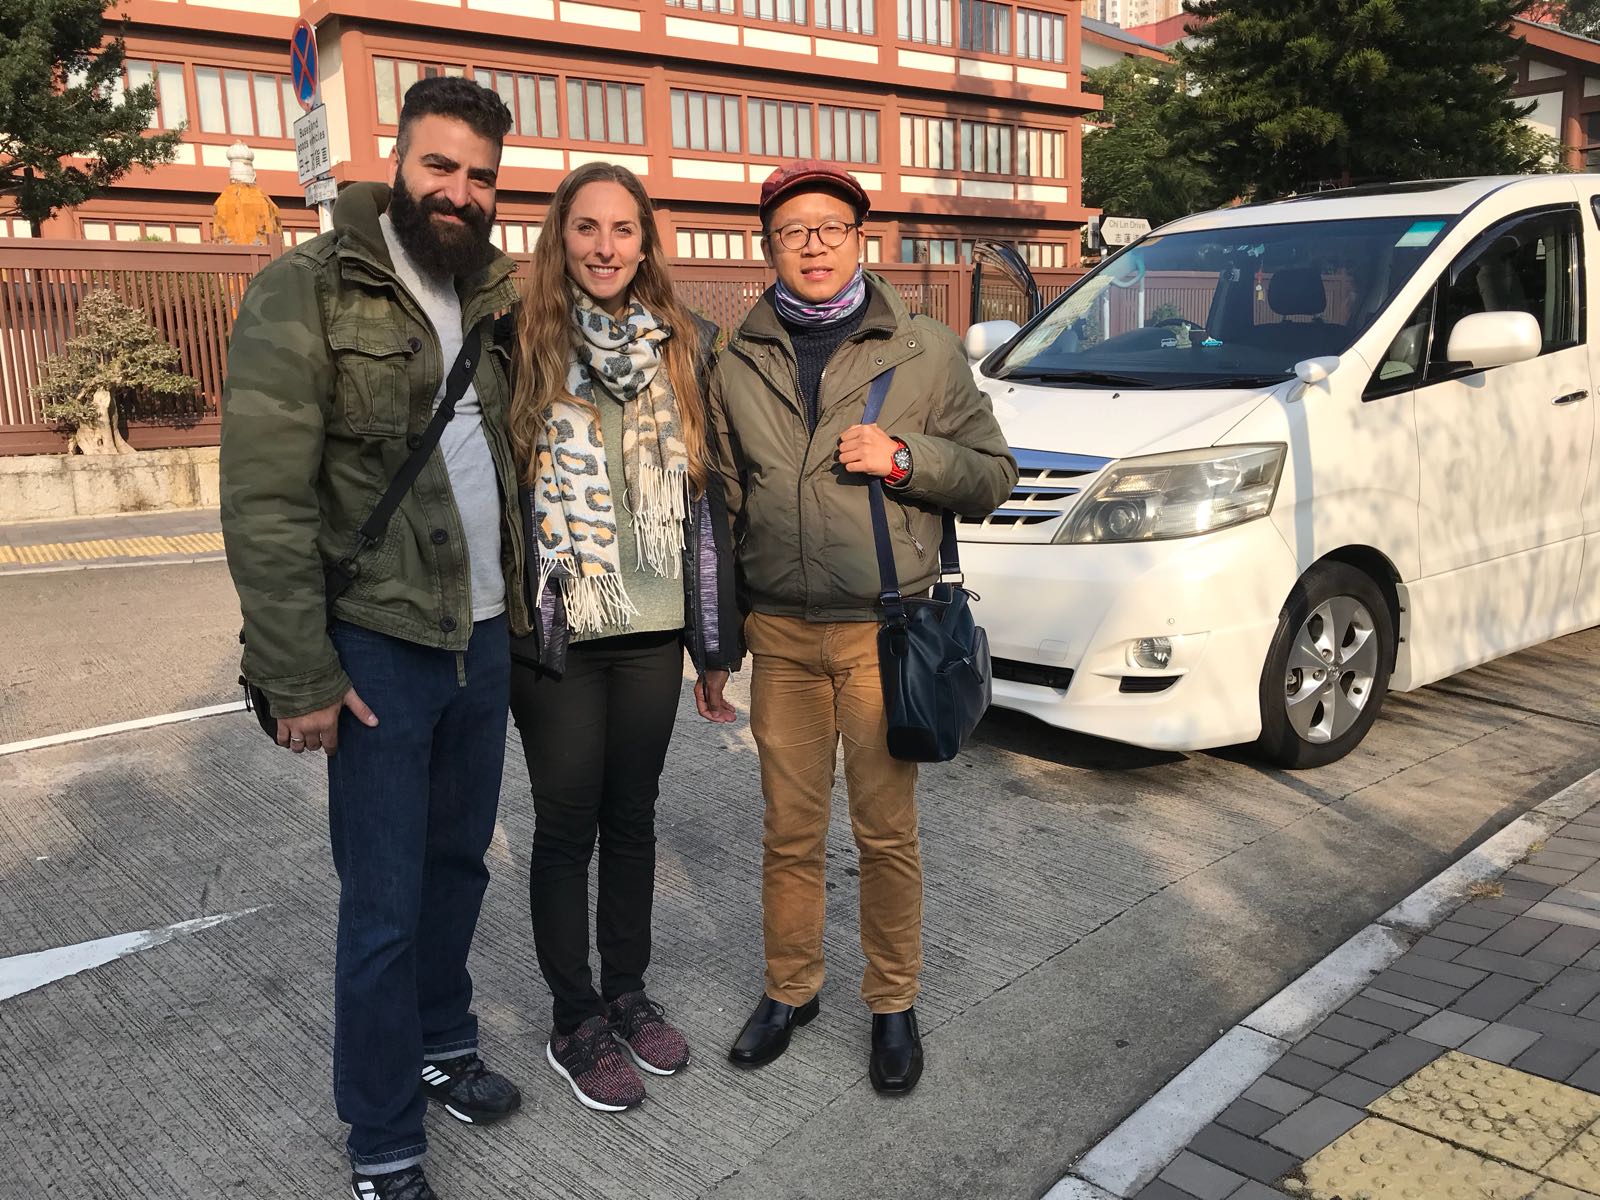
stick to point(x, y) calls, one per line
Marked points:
point(1103, 378)
point(1232, 381)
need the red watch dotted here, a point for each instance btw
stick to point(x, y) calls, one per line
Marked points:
point(901, 471)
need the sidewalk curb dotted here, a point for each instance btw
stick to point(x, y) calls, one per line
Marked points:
point(110, 565)
point(1133, 1153)
point(99, 731)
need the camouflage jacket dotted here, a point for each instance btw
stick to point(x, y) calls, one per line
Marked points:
point(332, 370)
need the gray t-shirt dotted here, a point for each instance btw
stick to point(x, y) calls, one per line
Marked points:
point(463, 444)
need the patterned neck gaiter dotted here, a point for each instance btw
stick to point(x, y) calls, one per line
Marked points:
point(796, 311)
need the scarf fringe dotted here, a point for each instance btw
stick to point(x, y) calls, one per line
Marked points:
point(596, 602)
point(658, 519)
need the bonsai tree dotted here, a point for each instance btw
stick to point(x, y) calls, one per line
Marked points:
point(117, 359)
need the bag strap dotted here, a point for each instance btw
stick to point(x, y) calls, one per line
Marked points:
point(456, 383)
point(888, 581)
point(949, 550)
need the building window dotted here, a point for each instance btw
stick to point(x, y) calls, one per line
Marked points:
point(599, 111)
point(927, 21)
point(874, 249)
point(531, 99)
point(393, 78)
point(1043, 254)
point(140, 231)
point(15, 227)
point(298, 237)
point(985, 27)
point(1041, 154)
point(515, 237)
point(779, 129)
point(928, 142)
point(711, 6)
point(172, 108)
point(847, 16)
point(938, 252)
point(790, 12)
point(705, 121)
point(986, 149)
point(848, 134)
point(1041, 35)
point(710, 244)
point(245, 103)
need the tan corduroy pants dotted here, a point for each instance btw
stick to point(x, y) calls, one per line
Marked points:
point(812, 687)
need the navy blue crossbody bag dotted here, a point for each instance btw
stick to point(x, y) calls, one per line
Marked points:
point(932, 654)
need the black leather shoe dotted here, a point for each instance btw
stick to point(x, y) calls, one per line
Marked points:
point(766, 1034)
point(896, 1062)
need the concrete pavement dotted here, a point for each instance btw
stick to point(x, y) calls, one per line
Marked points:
point(1095, 917)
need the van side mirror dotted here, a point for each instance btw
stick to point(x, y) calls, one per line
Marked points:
point(1494, 339)
point(986, 337)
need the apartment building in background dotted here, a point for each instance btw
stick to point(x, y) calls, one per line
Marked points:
point(961, 117)
point(1128, 13)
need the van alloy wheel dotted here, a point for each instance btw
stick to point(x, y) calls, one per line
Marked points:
point(1331, 667)
point(1327, 669)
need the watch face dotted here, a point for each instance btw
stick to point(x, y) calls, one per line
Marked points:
point(902, 459)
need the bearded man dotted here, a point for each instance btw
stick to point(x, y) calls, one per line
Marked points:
point(339, 358)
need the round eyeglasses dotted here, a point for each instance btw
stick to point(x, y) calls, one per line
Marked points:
point(797, 236)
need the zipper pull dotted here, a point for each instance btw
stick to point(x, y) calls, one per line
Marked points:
point(920, 551)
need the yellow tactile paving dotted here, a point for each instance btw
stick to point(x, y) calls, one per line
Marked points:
point(95, 548)
point(1557, 1191)
point(1483, 1106)
point(1378, 1160)
point(1578, 1166)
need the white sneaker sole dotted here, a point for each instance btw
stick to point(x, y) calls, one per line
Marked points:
point(586, 1101)
point(641, 1064)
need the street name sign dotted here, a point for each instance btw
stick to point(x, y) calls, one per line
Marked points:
point(1122, 231)
point(321, 191)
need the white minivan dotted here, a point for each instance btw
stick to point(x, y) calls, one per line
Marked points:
point(1278, 460)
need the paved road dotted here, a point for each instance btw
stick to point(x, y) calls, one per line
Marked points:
point(1095, 916)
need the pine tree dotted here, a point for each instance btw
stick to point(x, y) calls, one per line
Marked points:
point(116, 358)
point(1130, 167)
point(1296, 94)
point(1581, 16)
point(60, 97)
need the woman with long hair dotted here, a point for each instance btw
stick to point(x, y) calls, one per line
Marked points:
point(628, 566)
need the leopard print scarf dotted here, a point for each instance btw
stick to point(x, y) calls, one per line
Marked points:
point(574, 509)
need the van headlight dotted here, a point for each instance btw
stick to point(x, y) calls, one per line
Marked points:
point(1176, 495)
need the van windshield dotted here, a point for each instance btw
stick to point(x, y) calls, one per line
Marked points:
point(1234, 307)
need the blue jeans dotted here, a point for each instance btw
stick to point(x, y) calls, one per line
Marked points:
point(411, 810)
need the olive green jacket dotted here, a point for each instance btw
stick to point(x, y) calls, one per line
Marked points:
point(333, 367)
point(802, 525)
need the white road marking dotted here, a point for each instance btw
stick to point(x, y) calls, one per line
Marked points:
point(82, 735)
point(25, 972)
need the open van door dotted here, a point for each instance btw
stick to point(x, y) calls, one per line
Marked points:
point(1003, 288)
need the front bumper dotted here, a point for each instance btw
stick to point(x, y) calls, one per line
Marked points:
point(1078, 609)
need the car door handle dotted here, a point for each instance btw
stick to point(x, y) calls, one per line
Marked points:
point(1570, 398)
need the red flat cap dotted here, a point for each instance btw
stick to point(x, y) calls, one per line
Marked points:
point(830, 176)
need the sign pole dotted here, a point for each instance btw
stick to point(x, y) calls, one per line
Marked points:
point(311, 130)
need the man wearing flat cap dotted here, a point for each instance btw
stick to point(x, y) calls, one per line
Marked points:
point(786, 401)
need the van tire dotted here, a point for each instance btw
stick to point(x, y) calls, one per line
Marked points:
point(1338, 616)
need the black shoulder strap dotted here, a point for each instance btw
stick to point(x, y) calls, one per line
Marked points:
point(949, 552)
point(456, 383)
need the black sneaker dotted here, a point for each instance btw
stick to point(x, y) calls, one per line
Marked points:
point(409, 1184)
point(469, 1091)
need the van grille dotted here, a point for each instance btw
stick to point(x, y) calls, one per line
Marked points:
point(1047, 481)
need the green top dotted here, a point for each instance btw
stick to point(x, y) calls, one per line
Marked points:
point(659, 598)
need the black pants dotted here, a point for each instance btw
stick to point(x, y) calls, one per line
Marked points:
point(596, 741)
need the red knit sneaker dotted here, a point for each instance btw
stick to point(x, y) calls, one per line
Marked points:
point(589, 1060)
point(640, 1024)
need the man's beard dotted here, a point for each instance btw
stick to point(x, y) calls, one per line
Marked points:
point(436, 246)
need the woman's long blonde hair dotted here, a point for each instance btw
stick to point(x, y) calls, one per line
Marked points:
point(546, 336)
